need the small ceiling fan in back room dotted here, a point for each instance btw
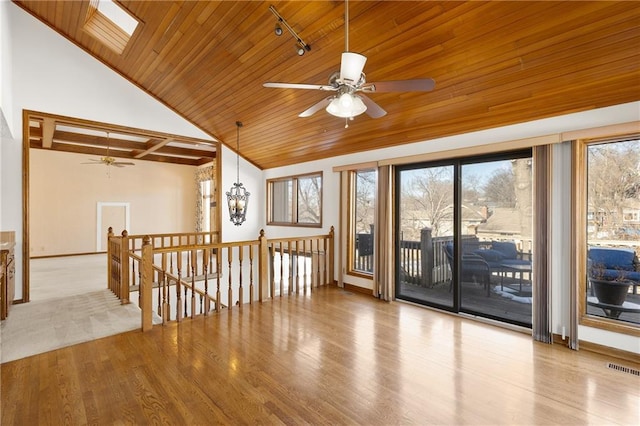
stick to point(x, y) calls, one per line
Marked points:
point(107, 160)
point(350, 86)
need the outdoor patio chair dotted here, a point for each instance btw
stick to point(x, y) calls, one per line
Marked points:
point(473, 268)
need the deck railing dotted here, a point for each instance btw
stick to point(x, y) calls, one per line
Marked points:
point(183, 275)
point(424, 262)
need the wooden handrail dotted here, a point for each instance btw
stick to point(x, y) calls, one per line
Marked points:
point(180, 289)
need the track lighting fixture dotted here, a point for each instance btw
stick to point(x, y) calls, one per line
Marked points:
point(301, 46)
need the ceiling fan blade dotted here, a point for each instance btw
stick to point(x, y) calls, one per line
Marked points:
point(120, 163)
point(315, 107)
point(351, 66)
point(299, 86)
point(417, 85)
point(373, 109)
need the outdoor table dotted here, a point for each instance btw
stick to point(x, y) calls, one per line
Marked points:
point(514, 268)
point(613, 311)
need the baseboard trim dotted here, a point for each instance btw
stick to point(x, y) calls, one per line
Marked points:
point(67, 255)
point(356, 289)
point(608, 351)
point(599, 349)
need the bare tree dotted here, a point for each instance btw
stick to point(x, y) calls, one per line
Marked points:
point(309, 189)
point(613, 180)
point(365, 187)
point(428, 200)
point(500, 188)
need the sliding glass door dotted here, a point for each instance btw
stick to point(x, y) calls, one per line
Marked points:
point(464, 231)
point(425, 218)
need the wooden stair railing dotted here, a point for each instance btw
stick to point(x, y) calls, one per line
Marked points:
point(190, 271)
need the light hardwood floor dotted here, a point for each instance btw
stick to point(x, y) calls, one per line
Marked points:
point(331, 358)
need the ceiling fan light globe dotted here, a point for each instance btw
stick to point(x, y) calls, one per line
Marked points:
point(351, 66)
point(343, 108)
point(346, 101)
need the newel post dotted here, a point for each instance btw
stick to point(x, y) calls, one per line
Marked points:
point(124, 269)
point(146, 283)
point(263, 256)
point(109, 254)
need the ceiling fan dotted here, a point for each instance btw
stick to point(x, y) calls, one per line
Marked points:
point(350, 85)
point(107, 160)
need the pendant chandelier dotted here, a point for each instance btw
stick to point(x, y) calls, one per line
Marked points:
point(238, 197)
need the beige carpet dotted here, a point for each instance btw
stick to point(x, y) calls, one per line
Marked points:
point(69, 304)
point(42, 326)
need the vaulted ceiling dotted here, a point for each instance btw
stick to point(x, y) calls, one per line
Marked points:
point(494, 63)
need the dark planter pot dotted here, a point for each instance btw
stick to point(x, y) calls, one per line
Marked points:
point(610, 292)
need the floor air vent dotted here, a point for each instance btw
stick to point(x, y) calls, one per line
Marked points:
point(623, 369)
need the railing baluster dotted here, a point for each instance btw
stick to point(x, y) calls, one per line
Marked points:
point(165, 304)
point(205, 270)
point(272, 273)
point(156, 281)
point(304, 276)
point(290, 268)
point(178, 284)
point(194, 265)
point(324, 262)
point(317, 280)
point(230, 259)
point(297, 267)
point(218, 277)
point(281, 251)
point(240, 289)
point(250, 274)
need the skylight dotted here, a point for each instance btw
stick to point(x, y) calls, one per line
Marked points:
point(118, 16)
point(110, 23)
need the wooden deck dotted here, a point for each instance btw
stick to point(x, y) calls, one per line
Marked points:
point(329, 358)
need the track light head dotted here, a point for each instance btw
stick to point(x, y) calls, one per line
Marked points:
point(301, 46)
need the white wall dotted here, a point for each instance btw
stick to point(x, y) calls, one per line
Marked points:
point(253, 181)
point(6, 93)
point(64, 194)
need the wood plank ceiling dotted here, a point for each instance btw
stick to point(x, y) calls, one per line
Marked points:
point(494, 63)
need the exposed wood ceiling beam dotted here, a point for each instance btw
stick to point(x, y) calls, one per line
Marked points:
point(86, 137)
point(48, 129)
point(154, 147)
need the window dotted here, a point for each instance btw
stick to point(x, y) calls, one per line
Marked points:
point(362, 201)
point(608, 236)
point(295, 200)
